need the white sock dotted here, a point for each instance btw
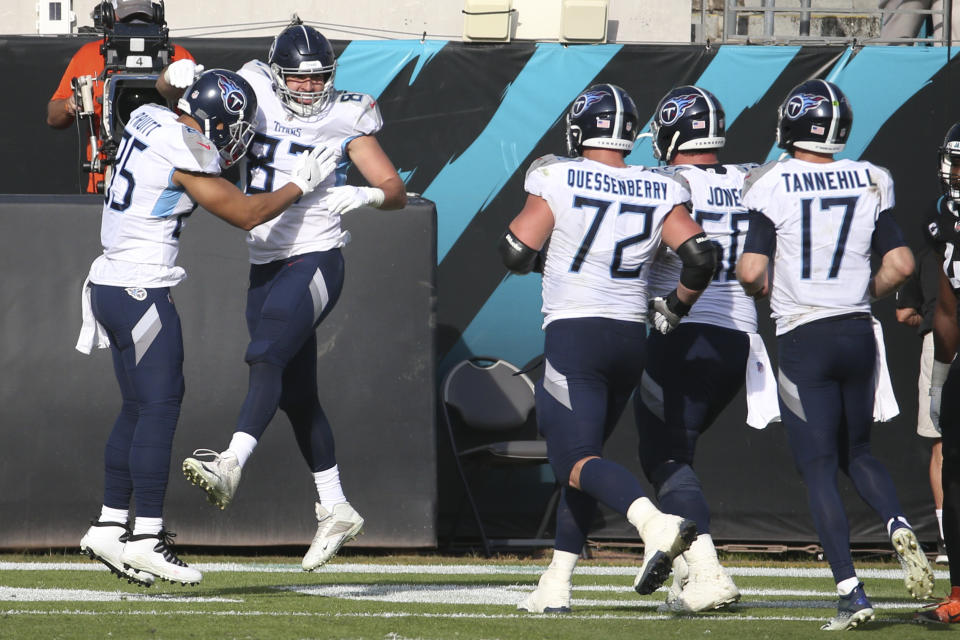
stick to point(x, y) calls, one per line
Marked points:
point(242, 445)
point(640, 511)
point(563, 563)
point(328, 487)
point(150, 526)
point(701, 551)
point(844, 587)
point(109, 514)
point(939, 513)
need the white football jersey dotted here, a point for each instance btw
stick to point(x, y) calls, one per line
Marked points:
point(143, 210)
point(824, 216)
point(607, 224)
point(715, 195)
point(307, 225)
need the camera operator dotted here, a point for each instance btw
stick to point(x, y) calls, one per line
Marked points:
point(88, 69)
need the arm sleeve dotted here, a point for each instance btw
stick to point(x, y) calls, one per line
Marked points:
point(761, 236)
point(910, 296)
point(886, 234)
point(179, 53)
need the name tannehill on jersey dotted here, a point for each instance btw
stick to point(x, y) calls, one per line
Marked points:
point(307, 225)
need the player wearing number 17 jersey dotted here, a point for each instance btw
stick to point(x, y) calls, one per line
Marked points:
point(604, 221)
point(297, 268)
point(820, 220)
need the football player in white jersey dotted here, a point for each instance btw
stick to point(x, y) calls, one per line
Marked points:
point(694, 372)
point(820, 220)
point(944, 230)
point(167, 164)
point(297, 268)
point(604, 221)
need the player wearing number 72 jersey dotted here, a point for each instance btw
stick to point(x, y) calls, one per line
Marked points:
point(604, 221)
point(820, 220)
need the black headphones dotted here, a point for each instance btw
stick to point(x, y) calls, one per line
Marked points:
point(108, 14)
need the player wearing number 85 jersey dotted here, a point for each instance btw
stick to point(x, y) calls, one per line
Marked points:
point(167, 164)
point(297, 268)
point(820, 220)
point(604, 221)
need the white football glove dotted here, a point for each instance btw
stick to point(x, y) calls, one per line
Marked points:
point(313, 167)
point(938, 375)
point(182, 73)
point(665, 313)
point(340, 200)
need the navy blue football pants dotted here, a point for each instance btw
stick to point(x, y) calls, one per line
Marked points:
point(697, 370)
point(147, 347)
point(286, 302)
point(597, 364)
point(826, 390)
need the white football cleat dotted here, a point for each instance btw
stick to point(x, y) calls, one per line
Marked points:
point(218, 474)
point(552, 595)
point(664, 537)
point(681, 574)
point(151, 552)
point(104, 541)
point(335, 528)
point(918, 576)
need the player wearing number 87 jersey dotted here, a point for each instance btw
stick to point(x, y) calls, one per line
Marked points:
point(604, 221)
point(820, 220)
point(297, 268)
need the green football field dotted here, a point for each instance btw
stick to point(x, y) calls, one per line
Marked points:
point(430, 597)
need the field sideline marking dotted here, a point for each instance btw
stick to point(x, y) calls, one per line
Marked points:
point(27, 594)
point(467, 569)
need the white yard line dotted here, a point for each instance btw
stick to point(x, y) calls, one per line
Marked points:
point(460, 569)
point(21, 594)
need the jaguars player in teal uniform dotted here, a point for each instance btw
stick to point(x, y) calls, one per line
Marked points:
point(820, 220)
point(297, 268)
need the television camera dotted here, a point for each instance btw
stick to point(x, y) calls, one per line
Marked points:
point(135, 50)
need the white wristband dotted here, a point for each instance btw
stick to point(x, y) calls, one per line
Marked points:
point(301, 183)
point(939, 372)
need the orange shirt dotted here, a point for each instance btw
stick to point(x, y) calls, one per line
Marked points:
point(88, 61)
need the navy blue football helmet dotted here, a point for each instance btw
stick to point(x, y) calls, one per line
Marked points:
point(225, 106)
point(816, 116)
point(688, 118)
point(949, 155)
point(604, 117)
point(301, 50)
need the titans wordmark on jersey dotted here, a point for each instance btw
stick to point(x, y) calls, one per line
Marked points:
point(824, 215)
point(607, 226)
point(143, 210)
point(715, 197)
point(307, 225)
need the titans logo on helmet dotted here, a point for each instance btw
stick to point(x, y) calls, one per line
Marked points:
point(584, 101)
point(802, 103)
point(674, 108)
point(233, 98)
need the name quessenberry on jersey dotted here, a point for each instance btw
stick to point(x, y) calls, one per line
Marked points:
point(596, 181)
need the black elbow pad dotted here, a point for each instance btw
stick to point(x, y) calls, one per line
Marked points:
point(516, 256)
point(699, 256)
